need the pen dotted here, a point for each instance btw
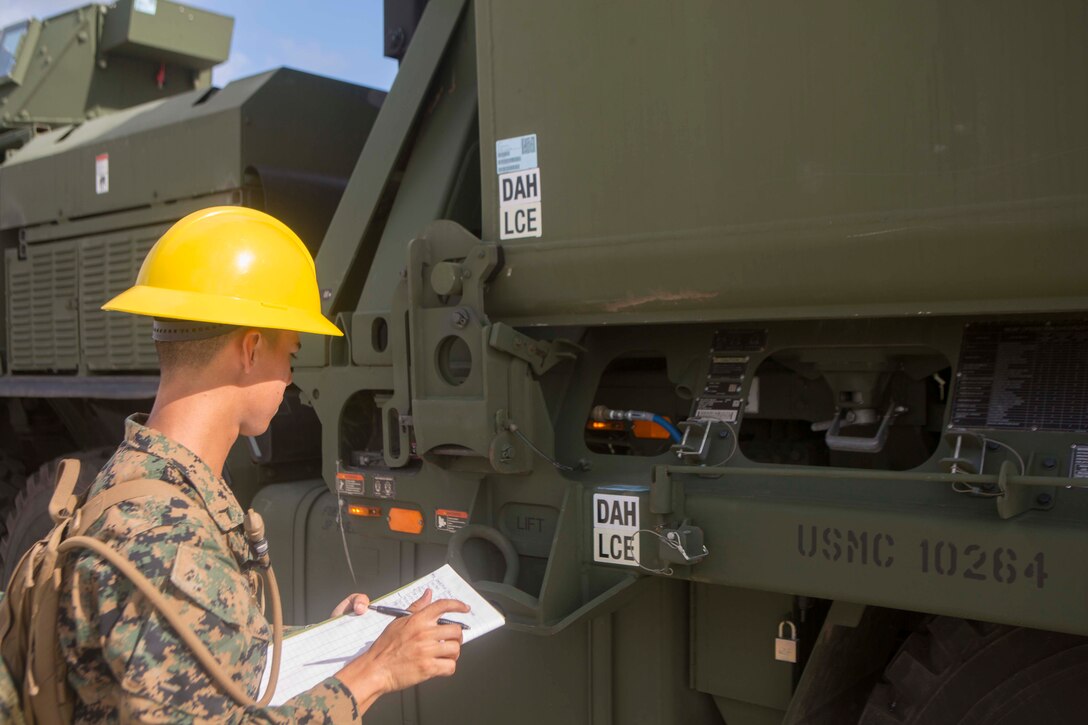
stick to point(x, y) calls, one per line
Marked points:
point(398, 612)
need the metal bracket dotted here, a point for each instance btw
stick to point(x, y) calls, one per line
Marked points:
point(541, 355)
point(677, 544)
point(686, 450)
point(857, 444)
point(1017, 497)
point(968, 452)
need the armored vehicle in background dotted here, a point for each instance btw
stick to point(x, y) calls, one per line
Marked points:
point(778, 415)
point(112, 131)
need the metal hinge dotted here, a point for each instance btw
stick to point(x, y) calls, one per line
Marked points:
point(541, 355)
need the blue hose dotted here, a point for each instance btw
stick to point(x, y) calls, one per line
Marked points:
point(673, 432)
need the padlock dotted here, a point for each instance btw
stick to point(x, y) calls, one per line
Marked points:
point(785, 650)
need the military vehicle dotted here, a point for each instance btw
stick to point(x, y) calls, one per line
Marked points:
point(782, 416)
point(112, 131)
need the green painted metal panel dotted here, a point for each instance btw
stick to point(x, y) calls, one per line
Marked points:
point(353, 235)
point(43, 326)
point(741, 670)
point(965, 563)
point(162, 160)
point(169, 32)
point(777, 160)
point(191, 145)
point(108, 265)
point(628, 666)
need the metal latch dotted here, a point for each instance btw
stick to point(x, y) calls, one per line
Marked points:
point(681, 545)
point(858, 444)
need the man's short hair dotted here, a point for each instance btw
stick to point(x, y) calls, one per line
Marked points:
point(191, 354)
point(188, 354)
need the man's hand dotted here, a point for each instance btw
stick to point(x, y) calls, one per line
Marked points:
point(356, 604)
point(409, 651)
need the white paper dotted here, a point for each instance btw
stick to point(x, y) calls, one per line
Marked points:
point(316, 653)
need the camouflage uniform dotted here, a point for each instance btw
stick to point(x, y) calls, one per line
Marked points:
point(124, 660)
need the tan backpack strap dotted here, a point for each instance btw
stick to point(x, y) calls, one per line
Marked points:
point(93, 509)
point(63, 502)
point(97, 505)
point(157, 600)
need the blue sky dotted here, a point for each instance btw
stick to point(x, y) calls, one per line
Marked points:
point(337, 38)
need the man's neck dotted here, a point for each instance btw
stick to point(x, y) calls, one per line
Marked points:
point(202, 421)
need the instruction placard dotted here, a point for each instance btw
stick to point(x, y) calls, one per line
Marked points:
point(615, 529)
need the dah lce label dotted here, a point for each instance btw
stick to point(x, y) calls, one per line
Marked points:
point(615, 529)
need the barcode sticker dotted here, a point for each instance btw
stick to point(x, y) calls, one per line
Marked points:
point(515, 154)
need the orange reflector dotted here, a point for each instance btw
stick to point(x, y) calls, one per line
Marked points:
point(648, 429)
point(368, 511)
point(406, 521)
point(605, 425)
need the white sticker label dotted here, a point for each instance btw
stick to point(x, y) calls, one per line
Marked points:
point(615, 529)
point(515, 154)
point(725, 416)
point(147, 7)
point(520, 209)
point(520, 220)
point(519, 186)
point(101, 173)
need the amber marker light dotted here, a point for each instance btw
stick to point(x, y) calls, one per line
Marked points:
point(605, 425)
point(639, 428)
point(365, 511)
point(406, 521)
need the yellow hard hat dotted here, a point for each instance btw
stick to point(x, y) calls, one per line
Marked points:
point(232, 266)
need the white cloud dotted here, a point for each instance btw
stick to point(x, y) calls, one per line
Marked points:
point(237, 66)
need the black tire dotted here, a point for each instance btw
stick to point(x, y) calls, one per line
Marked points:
point(957, 672)
point(27, 519)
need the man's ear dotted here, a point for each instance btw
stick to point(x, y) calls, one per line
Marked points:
point(251, 341)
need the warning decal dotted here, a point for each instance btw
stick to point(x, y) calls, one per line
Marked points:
point(449, 520)
point(615, 529)
point(351, 483)
point(101, 173)
point(520, 212)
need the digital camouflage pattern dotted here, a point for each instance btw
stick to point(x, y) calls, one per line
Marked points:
point(9, 699)
point(124, 660)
